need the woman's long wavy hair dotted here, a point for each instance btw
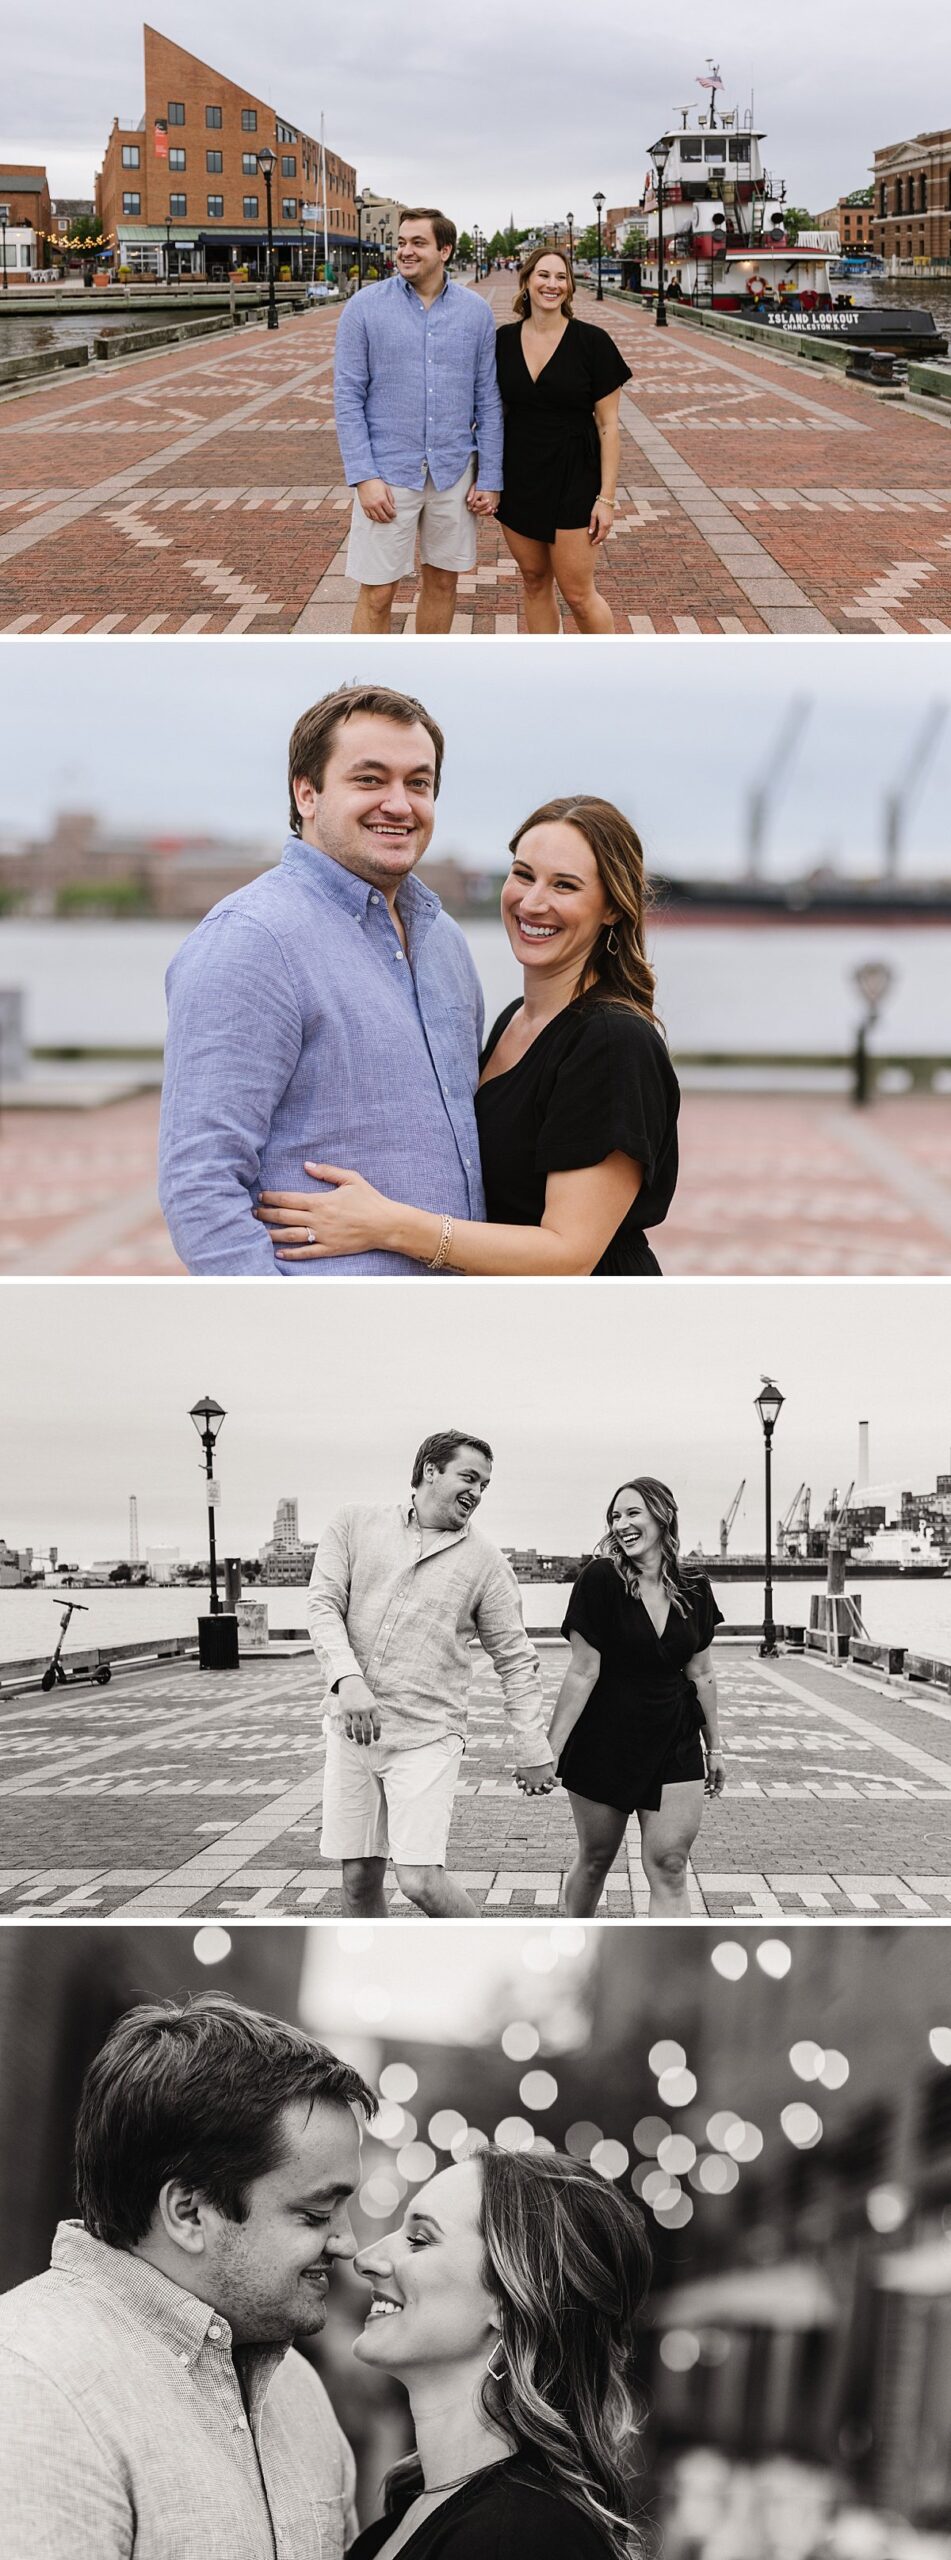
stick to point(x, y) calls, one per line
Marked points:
point(622, 975)
point(568, 2262)
point(662, 1506)
point(521, 305)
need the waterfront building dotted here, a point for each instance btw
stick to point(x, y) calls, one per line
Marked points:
point(853, 218)
point(28, 232)
point(180, 192)
point(379, 227)
point(912, 200)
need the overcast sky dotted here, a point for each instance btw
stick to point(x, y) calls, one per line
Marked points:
point(488, 110)
point(676, 735)
point(330, 1388)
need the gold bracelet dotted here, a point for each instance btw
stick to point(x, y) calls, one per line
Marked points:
point(604, 502)
point(441, 1255)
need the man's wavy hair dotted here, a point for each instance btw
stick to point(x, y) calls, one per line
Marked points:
point(194, 2089)
point(313, 734)
point(567, 2259)
point(662, 1506)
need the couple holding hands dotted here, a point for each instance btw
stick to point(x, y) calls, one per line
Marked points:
point(441, 420)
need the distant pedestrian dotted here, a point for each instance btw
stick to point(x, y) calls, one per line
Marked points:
point(560, 381)
point(419, 423)
point(635, 1725)
point(397, 1593)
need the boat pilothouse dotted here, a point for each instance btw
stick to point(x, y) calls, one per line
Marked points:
point(725, 240)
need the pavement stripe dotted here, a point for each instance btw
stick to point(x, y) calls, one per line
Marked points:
point(76, 1244)
point(937, 1770)
point(922, 1190)
point(778, 390)
point(213, 1866)
point(73, 509)
point(780, 603)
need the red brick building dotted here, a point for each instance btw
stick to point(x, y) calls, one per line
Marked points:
point(852, 221)
point(181, 193)
point(26, 192)
point(912, 198)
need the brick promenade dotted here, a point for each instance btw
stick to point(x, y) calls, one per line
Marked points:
point(772, 1184)
point(200, 490)
point(180, 1792)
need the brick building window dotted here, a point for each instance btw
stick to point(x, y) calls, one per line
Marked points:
point(286, 133)
point(923, 193)
point(249, 119)
point(213, 163)
point(249, 164)
point(288, 165)
point(130, 155)
point(289, 209)
point(250, 208)
point(176, 160)
point(132, 204)
point(213, 119)
point(176, 111)
point(216, 207)
point(178, 207)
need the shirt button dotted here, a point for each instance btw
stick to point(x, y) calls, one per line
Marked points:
point(183, 2359)
point(373, 900)
point(213, 2329)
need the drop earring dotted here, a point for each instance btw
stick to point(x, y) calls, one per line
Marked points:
point(498, 2349)
point(612, 945)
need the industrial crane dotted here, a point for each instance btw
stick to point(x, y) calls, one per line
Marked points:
point(727, 1524)
point(763, 793)
point(793, 1530)
point(898, 799)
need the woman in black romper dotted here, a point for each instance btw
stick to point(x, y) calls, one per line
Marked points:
point(560, 382)
point(578, 1100)
point(635, 1727)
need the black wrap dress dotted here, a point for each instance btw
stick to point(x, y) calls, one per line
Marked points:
point(640, 1729)
point(551, 470)
point(596, 1081)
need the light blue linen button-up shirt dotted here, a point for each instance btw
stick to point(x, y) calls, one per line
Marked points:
point(299, 1029)
point(415, 387)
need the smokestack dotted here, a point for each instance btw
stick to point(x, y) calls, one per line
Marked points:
point(863, 1455)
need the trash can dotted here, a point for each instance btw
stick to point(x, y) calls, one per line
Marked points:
point(218, 1642)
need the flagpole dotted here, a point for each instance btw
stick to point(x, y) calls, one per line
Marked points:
point(323, 164)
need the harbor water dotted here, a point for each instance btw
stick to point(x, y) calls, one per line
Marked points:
point(915, 1614)
point(758, 987)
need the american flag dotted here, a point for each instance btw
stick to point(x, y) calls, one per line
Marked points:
point(709, 80)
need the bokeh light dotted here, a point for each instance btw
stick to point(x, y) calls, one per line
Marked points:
point(835, 2069)
point(887, 2208)
point(610, 2159)
point(940, 2042)
point(399, 2081)
point(719, 2125)
point(520, 2040)
point(468, 2143)
point(211, 1946)
point(416, 2162)
point(649, 2133)
point(580, 2139)
point(807, 2059)
point(774, 1958)
point(679, 2350)
point(515, 2134)
point(677, 2088)
point(381, 2196)
point(743, 2142)
point(537, 2090)
point(675, 2216)
point(666, 2056)
point(539, 1956)
point(801, 2126)
point(676, 2154)
point(717, 2175)
point(445, 2127)
point(730, 1960)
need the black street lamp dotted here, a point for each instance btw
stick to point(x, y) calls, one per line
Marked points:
point(769, 1404)
point(168, 248)
point(300, 228)
point(208, 1418)
point(364, 201)
point(4, 219)
point(599, 206)
point(873, 981)
point(266, 166)
point(571, 239)
point(658, 154)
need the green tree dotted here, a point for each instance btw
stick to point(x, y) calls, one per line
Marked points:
point(464, 249)
point(86, 233)
point(797, 218)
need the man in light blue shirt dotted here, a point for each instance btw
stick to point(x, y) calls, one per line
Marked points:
point(419, 423)
point(329, 1011)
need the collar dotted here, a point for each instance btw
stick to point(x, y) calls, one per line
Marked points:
point(179, 2318)
point(416, 297)
point(328, 879)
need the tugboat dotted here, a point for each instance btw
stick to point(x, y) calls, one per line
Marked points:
point(726, 246)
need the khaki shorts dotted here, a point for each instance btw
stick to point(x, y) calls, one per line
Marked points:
point(379, 554)
point(381, 1801)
